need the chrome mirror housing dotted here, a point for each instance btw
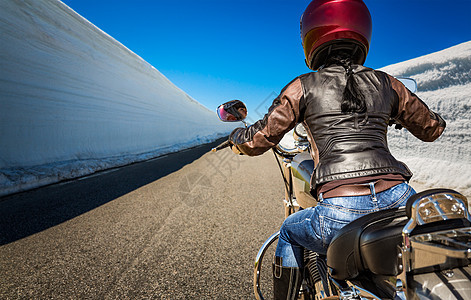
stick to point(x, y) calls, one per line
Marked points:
point(409, 83)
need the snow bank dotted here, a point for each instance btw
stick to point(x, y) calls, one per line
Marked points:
point(73, 100)
point(444, 83)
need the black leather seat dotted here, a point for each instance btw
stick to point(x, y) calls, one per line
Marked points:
point(368, 243)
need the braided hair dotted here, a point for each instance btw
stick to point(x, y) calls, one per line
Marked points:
point(353, 100)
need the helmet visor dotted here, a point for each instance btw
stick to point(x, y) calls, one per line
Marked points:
point(224, 115)
point(232, 111)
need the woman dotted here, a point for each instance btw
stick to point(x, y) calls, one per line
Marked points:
point(346, 109)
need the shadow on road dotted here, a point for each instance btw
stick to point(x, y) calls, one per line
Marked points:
point(27, 213)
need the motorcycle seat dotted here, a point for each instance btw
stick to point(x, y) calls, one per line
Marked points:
point(371, 243)
point(368, 243)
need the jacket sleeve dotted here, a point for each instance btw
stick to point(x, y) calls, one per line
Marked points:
point(282, 116)
point(414, 114)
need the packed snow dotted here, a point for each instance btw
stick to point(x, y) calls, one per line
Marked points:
point(74, 101)
point(444, 84)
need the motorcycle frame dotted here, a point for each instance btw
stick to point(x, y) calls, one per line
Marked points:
point(290, 206)
point(290, 203)
point(410, 254)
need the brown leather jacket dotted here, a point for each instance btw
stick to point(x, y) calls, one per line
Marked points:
point(344, 145)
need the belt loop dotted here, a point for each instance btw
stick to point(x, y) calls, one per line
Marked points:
point(373, 192)
point(320, 197)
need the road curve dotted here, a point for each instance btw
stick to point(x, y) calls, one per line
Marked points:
point(184, 226)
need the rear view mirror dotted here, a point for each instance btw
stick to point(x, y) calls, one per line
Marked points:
point(409, 83)
point(232, 111)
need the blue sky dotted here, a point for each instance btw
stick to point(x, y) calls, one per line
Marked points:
point(217, 50)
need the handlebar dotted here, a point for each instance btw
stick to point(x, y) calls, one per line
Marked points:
point(221, 146)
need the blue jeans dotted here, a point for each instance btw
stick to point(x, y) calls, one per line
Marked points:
point(313, 228)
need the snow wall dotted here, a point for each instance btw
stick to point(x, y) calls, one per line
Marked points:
point(444, 84)
point(74, 101)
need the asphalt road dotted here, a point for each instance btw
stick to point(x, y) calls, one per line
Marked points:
point(184, 226)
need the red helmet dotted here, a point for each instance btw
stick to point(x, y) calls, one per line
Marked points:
point(328, 25)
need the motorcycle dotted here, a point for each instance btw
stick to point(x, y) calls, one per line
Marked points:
point(420, 251)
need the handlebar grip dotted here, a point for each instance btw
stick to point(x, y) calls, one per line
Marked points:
point(221, 146)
